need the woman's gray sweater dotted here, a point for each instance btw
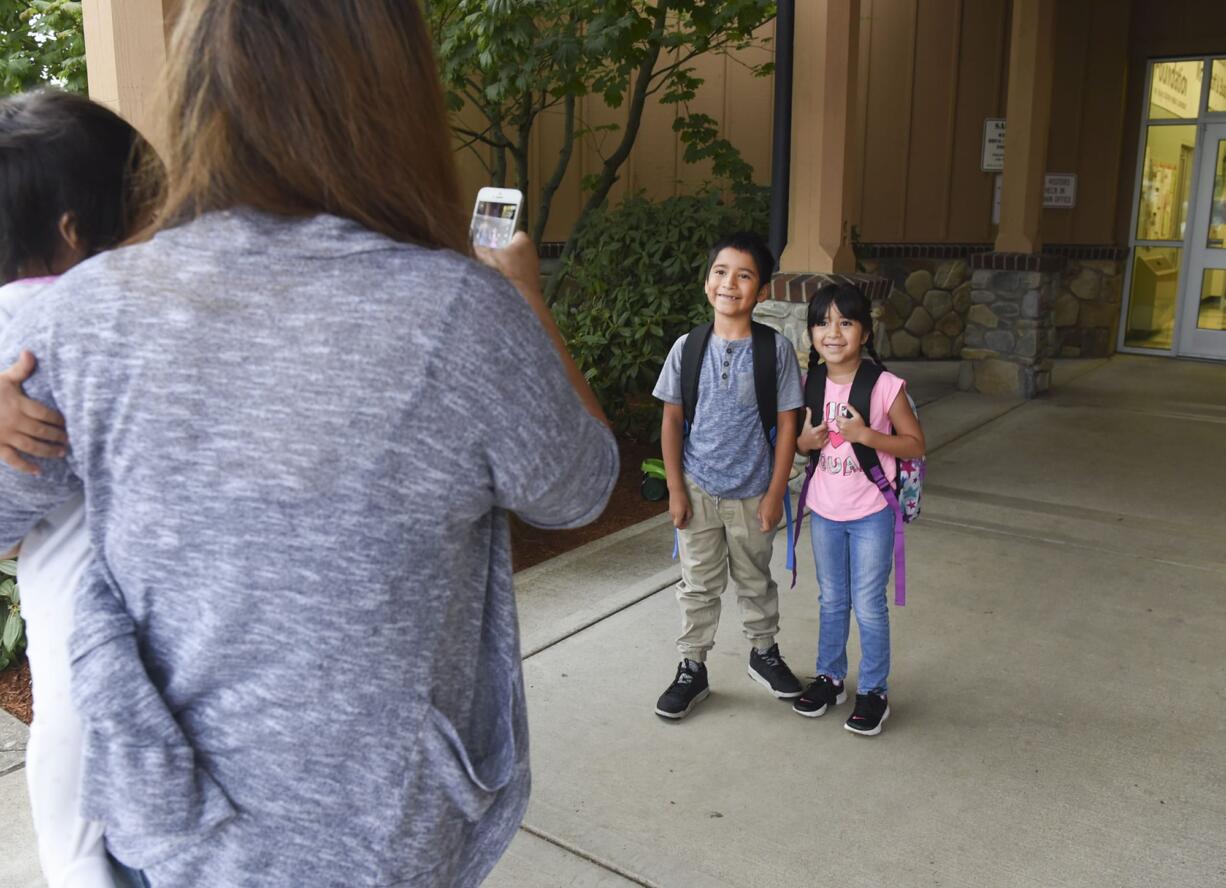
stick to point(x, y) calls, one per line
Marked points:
point(297, 656)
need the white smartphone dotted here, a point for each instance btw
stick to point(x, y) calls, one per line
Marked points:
point(494, 216)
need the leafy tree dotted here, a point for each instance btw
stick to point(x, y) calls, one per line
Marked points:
point(41, 41)
point(511, 61)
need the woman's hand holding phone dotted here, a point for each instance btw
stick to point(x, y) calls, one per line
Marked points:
point(518, 263)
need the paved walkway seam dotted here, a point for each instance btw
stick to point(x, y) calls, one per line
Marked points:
point(596, 619)
point(590, 858)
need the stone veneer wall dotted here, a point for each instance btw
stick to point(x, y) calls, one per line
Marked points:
point(925, 313)
point(925, 299)
point(1087, 309)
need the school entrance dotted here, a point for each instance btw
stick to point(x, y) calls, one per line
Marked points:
point(1177, 278)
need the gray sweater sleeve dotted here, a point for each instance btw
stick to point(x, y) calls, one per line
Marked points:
point(526, 409)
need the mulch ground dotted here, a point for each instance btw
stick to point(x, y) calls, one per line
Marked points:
point(15, 691)
point(529, 546)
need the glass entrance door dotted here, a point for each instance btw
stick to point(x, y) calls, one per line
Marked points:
point(1203, 315)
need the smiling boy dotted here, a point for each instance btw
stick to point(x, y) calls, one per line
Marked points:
point(726, 480)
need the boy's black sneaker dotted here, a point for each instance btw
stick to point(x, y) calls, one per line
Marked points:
point(769, 670)
point(823, 692)
point(871, 710)
point(688, 689)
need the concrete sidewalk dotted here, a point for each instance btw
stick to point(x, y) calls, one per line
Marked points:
point(1058, 717)
point(1058, 712)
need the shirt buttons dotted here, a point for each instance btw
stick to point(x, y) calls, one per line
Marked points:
point(725, 376)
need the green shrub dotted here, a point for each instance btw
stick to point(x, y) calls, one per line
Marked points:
point(12, 627)
point(635, 283)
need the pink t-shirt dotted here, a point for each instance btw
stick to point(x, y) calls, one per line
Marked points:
point(840, 491)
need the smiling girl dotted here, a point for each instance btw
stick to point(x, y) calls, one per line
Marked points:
point(852, 527)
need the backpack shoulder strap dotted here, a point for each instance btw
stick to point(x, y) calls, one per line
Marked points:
point(861, 399)
point(691, 369)
point(766, 378)
point(815, 392)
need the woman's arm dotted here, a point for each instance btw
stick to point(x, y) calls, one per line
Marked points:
point(517, 261)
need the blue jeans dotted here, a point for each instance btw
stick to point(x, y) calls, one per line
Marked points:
point(853, 566)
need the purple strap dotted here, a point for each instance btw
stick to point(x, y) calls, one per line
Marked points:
point(900, 547)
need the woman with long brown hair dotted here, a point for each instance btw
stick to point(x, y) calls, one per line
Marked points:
point(300, 413)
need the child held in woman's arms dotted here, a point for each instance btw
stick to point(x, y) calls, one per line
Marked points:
point(65, 193)
point(726, 480)
point(852, 527)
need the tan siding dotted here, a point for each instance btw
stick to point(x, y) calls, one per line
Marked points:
point(1072, 39)
point(934, 100)
point(980, 90)
point(887, 132)
point(855, 214)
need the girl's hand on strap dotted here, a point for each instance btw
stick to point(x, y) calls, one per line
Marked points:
point(812, 437)
point(852, 429)
point(26, 426)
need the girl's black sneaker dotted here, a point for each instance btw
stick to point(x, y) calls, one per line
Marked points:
point(823, 692)
point(688, 689)
point(871, 710)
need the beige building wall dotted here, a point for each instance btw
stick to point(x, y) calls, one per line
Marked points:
point(125, 49)
point(937, 69)
point(740, 102)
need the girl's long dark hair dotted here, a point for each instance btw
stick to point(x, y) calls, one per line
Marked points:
point(852, 304)
point(61, 153)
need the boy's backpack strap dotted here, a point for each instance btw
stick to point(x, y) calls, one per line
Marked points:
point(691, 369)
point(765, 378)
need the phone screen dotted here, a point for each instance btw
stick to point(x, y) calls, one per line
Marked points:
point(493, 223)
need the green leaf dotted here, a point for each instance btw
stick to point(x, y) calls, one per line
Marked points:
point(9, 567)
point(13, 632)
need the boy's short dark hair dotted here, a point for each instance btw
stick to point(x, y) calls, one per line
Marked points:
point(61, 153)
point(746, 242)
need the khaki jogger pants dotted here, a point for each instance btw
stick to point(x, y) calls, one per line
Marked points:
point(723, 539)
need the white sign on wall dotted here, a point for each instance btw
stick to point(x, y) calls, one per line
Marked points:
point(992, 160)
point(1060, 191)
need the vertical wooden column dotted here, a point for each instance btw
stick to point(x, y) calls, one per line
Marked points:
point(823, 137)
point(125, 49)
point(1028, 118)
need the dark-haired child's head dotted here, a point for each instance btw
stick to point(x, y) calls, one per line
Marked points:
point(749, 243)
point(66, 181)
point(840, 321)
